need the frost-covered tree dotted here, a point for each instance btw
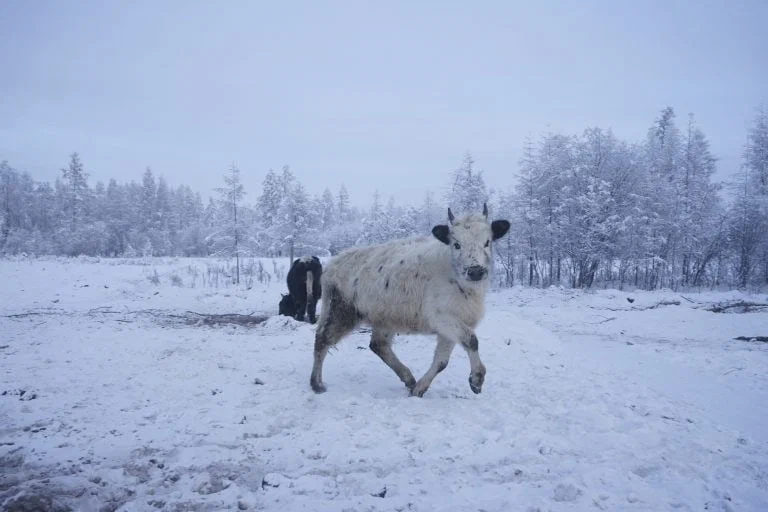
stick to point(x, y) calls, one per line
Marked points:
point(508, 251)
point(229, 238)
point(75, 191)
point(589, 208)
point(594, 208)
point(700, 211)
point(374, 224)
point(748, 216)
point(756, 159)
point(327, 211)
point(295, 227)
point(43, 216)
point(300, 221)
point(467, 191)
point(347, 229)
point(148, 199)
point(9, 201)
point(550, 180)
point(663, 158)
point(118, 222)
point(343, 204)
point(431, 213)
point(529, 224)
point(269, 201)
point(109, 220)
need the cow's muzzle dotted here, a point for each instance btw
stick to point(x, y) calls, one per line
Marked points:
point(476, 273)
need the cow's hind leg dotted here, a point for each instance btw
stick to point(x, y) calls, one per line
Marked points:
point(301, 307)
point(337, 319)
point(381, 345)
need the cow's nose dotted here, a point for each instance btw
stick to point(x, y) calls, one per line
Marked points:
point(476, 272)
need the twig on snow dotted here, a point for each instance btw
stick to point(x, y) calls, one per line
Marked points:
point(229, 318)
point(659, 304)
point(764, 339)
point(741, 306)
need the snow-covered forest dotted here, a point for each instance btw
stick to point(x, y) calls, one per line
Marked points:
point(587, 210)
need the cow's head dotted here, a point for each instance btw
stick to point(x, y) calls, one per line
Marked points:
point(470, 241)
point(287, 306)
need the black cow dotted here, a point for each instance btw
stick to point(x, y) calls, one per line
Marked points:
point(303, 289)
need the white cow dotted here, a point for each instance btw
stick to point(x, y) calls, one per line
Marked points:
point(426, 285)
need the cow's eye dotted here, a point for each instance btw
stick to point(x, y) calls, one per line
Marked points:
point(487, 243)
point(456, 245)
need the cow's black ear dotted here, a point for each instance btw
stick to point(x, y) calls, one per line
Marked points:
point(441, 232)
point(499, 228)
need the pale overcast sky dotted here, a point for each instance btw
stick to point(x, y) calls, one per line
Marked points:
point(385, 95)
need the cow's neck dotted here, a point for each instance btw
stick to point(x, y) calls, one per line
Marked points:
point(471, 291)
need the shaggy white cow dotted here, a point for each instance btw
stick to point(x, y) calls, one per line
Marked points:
point(420, 285)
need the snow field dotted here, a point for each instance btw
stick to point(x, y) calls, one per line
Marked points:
point(590, 402)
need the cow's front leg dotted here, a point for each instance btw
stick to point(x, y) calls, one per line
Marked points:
point(439, 362)
point(477, 368)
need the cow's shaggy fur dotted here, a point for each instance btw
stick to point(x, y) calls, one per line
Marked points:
point(304, 289)
point(418, 285)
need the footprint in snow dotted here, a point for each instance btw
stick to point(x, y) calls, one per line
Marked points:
point(566, 492)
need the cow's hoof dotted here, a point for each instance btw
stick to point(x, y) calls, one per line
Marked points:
point(317, 387)
point(476, 382)
point(419, 390)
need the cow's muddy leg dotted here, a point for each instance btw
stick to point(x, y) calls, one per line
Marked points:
point(477, 368)
point(460, 333)
point(381, 345)
point(337, 319)
point(439, 362)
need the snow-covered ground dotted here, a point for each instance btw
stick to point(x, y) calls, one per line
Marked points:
point(111, 401)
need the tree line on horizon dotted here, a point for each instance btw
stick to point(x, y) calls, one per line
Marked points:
point(587, 210)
